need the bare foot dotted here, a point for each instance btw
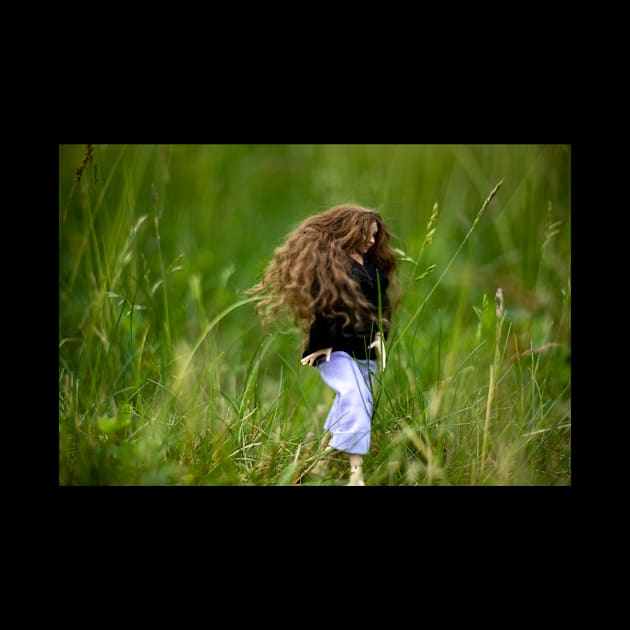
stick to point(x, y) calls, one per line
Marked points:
point(356, 476)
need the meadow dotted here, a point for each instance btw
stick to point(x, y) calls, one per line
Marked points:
point(166, 376)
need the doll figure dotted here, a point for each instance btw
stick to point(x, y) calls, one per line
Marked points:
point(332, 274)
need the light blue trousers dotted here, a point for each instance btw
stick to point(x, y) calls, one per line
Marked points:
point(350, 418)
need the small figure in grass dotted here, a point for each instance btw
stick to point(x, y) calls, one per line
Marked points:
point(332, 273)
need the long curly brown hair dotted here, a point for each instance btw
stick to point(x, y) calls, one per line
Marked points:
point(309, 274)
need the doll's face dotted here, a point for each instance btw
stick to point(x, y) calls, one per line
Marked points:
point(371, 237)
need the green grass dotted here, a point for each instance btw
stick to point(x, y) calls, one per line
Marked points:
point(166, 378)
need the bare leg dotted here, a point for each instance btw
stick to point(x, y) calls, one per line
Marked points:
point(326, 440)
point(321, 466)
point(356, 471)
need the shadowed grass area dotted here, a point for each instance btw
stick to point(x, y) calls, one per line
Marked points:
point(166, 378)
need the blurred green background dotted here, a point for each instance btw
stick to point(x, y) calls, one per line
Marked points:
point(156, 241)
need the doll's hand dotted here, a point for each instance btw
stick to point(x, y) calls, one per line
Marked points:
point(311, 358)
point(379, 344)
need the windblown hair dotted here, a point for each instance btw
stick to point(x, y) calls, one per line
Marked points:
point(309, 274)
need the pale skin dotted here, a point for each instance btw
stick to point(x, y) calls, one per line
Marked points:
point(356, 461)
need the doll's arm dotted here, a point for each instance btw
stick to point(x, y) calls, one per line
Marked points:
point(379, 344)
point(309, 359)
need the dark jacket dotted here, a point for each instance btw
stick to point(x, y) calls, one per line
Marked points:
point(328, 332)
